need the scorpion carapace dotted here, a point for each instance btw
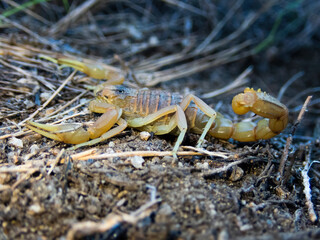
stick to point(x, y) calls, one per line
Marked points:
point(162, 112)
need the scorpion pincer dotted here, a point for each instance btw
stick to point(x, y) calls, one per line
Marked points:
point(163, 112)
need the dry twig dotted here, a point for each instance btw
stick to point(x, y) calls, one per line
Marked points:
point(147, 154)
point(87, 228)
point(222, 169)
point(306, 184)
point(289, 140)
point(56, 161)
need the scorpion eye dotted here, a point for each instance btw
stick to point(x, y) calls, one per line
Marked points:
point(120, 91)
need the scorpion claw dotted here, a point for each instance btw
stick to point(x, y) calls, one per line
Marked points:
point(69, 133)
point(92, 69)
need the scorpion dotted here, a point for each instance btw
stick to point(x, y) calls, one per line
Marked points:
point(162, 112)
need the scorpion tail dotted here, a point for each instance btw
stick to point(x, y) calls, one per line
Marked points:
point(275, 118)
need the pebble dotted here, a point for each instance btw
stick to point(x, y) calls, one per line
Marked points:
point(4, 178)
point(45, 96)
point(144, 135)
point(29, 104)
point(153, 40)
point(34, 149)
point(49, 111)
point(16, 142)
point(97, 164)
point(204, 165)
point(237, 174)
point(35, 209)
point(111, 144)
point(137, 162)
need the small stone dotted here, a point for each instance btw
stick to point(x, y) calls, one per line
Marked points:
point(144, 135)
point(110, 151)
point(167, 159)
point(6, 195)
point(35, 209)
point(164, 213)
point(97, 164)
point(49, 111)
point(45, 96)
point(4, 178)
point(11, 156)
point(282, 193)
point(16, 142)
point(134, 32)
point(92, 209)
point(205, 165)
point(153, 40)
point(237, 174)
point(137, 162)
point(111, 144)
point(83, 100)
point(28, 103)
point(155, 160)
point(34, 149)
point(198, 165)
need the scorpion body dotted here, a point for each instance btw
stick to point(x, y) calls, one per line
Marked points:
point(163, 112)
point(136, 103)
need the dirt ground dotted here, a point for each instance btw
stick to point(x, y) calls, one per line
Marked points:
point(99, 192)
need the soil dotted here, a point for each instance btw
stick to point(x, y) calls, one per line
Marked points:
point(45, 193)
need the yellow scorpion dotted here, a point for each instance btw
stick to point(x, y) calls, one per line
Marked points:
point(163, 112)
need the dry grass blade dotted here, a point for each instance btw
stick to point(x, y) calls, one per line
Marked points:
point(288, 83)
point(213, 154)
point(17, 134)
point(219, 26)
point(239, 81)
point(73, 16)
point(52, 115)
point(27, 11)
point(185, 6)
point(14, 90)
point(301, 94)
point(195, 66)
point(24, 177)
point(29, 32)
point(50, 99)
point(135, 153)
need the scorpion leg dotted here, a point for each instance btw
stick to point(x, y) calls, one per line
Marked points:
point(122, 124)
point(204, 108)
point(178, 120)
point(81, 133)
